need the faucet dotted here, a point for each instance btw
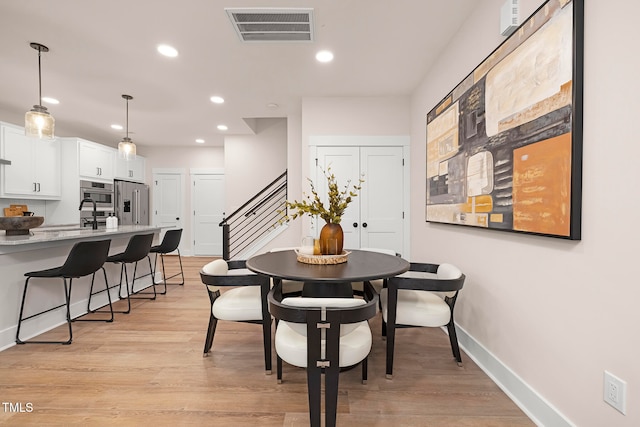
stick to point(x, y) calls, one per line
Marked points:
point(95, 221)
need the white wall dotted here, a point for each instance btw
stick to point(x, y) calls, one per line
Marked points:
point(181, 158)
point(556, 313)
point(361, 116)
point(252, 161)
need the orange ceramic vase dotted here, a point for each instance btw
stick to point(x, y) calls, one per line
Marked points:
point(331, 239)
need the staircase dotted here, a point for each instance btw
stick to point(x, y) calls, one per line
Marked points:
point(256, 221)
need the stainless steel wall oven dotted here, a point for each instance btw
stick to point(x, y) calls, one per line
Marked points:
point(100, 192)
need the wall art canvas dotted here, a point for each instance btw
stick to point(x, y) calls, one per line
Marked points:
point(504, 147)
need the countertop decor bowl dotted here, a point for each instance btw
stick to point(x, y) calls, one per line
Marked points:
point(19, 225)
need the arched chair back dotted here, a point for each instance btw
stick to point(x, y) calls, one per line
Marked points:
point(243, 300)
point(424, 296)
point(322, 335)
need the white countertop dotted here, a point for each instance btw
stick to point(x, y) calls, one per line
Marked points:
point(54, 234)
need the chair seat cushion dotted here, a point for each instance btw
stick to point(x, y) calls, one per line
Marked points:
point(292, 347)
point(238, 304)
point(417, 308)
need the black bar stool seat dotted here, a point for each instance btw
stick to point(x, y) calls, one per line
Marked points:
point(85, 258)
point(137, 249)
point(170, 243)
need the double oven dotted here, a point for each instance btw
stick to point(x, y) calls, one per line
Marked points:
point(101, 193)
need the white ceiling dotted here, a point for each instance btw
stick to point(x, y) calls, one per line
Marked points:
point(100, 50)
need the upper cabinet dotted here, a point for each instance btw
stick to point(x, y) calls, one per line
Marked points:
point(34, 172)
point(130, 170)
point(96, 161)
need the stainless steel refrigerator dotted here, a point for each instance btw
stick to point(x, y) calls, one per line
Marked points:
point(132, 203)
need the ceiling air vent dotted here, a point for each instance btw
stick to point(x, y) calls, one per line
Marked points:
point(272, 24)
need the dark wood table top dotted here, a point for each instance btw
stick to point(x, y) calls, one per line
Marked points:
point(360, 266)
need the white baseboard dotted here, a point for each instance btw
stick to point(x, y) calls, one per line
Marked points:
point(535, 406)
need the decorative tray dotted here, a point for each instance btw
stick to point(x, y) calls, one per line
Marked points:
point(322, 259)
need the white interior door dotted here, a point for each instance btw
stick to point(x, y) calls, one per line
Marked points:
point(382, 198)
point(375, 219)
point(208, 211)
point(168, 200)
point(344, 163)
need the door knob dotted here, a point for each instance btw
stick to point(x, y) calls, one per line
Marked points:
point(364, 224)
point(177, 219)
point(355, 224)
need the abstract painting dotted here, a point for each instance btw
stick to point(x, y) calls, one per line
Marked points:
point(504, 147)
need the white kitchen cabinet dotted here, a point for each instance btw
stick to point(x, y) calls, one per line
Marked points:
point(96, 161)
point(34, 172)
point(130, 170)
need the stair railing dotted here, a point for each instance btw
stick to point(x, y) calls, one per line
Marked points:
point(255, 218)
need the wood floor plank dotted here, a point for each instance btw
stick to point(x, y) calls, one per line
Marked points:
point(147, 368)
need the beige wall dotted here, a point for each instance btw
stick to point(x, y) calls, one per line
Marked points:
point(186, 158)
point(556, 313)
point(252, 161)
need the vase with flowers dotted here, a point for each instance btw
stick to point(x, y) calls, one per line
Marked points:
point(331, 235)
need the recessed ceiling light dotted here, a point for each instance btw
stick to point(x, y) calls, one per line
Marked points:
point(117, 127)
point(166, 50)
point(324, 56)
point(200, 141)
point(272, 105)
point(222, 127)
point(49, 100)
point(217, 99)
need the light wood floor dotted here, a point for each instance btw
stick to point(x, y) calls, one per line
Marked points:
point(146, 368)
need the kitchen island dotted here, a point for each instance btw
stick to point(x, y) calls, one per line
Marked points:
point(46, 248)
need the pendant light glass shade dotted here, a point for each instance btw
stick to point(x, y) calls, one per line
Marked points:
point(38, 123)
point(126, 148)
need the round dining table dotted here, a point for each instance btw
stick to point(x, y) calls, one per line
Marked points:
point(328, 280)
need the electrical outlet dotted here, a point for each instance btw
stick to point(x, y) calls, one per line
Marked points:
point(615, 392)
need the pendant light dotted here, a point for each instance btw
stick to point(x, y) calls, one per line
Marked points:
point(38, 122)
point(126, 148)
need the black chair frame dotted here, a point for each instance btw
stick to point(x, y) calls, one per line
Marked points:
point(423, 284)
point(319, 320)
point(84, 258)
point(137, 249)
point(169, 244)
point(234, 281)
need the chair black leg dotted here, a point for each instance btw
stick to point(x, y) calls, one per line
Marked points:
point(89, 310)
point(153, 274)
point(279, 369)
point(123, 272)
point(153, 285)
point(24, 297)
point(331, 379)
point(391, 338)
point(164, 274)
point(313, 386)
point(213, 322)
point(365, 370)
point(453, 338)
point(67, 298)
point(266, 339)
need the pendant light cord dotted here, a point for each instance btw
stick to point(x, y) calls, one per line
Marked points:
point(39, 79)
point(127, 121)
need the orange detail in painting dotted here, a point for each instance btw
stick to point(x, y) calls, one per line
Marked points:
point(542, 186)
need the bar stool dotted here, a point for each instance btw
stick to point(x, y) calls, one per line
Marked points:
point(169, 244)
point(85, 258)
point(137, 249)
